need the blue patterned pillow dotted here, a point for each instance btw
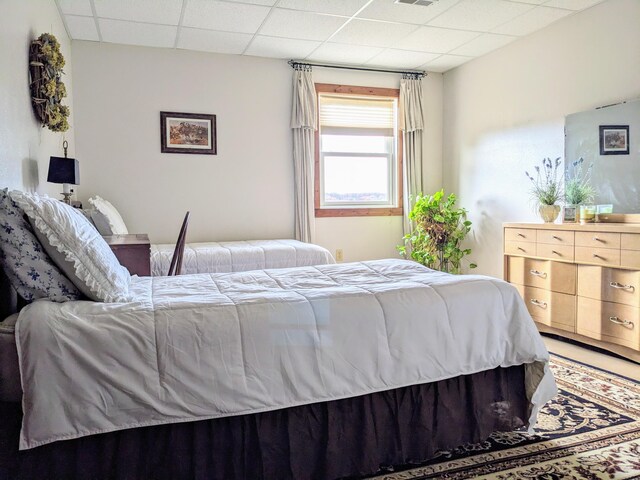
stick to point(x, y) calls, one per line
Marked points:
point(28, 267)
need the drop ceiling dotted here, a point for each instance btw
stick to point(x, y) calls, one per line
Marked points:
point(372, 33)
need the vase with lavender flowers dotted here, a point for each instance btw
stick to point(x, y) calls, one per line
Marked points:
point(547, 188)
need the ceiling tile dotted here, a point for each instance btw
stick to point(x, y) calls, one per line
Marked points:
point(532, 2)
point(302, 25)
point(131, 33)
point(268, 3)
point(572, 4)
point(445, 62)
point(336, 7)
point(229, 17)
point(166, 12)
point(275, 47)
point(75, 7)
point(210, 41)
point(401, 12)
point(373, 33)
point(531, 21)
point(435, 40)
point(341, 53)
point(402, 59)
point(485, 43)
point(479, 15)
point(82, 28)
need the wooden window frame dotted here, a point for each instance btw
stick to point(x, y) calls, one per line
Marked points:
point(363, 211)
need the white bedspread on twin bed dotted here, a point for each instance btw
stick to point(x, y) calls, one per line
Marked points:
point(239, 256)
point(205, 346)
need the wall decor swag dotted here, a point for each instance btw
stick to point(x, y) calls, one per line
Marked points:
point(188, 133)
point(47, 89)
point(614, 139)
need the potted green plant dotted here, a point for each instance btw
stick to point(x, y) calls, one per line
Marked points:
point(439, 230)
point(547, 189)
point(577, 188)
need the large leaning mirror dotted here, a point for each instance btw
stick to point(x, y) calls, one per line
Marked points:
point(609, 138)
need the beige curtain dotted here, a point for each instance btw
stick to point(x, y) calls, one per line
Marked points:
point(411, 123)
point(304, 124)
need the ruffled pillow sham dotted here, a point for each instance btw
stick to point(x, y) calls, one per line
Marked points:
point(29, 269)
point(77, 246)
point(106, 217)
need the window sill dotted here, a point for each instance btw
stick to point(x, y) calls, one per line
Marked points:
point(358, 212)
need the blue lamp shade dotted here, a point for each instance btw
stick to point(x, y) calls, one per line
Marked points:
point(64, 170)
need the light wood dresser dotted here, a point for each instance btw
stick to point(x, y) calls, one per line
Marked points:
point(579, 281)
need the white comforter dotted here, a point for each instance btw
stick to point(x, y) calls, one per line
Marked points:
point(239, 256)
point(205, 346)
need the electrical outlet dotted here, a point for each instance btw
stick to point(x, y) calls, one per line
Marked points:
point(339, 255)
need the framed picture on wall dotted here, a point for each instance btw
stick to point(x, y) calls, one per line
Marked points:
point(188, 133)
point(614, 139)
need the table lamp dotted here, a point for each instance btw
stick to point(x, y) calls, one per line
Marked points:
point(66, 171)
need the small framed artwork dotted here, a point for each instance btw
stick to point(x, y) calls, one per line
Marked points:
point(188, 133)
point(614, 139)
point(569, 214)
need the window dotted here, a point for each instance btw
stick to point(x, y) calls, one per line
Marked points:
point(357, 171)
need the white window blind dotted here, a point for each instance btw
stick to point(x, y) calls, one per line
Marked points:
point(357, 113)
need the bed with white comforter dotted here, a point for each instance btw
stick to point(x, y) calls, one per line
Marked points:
point(239, 256)
point(213, 345)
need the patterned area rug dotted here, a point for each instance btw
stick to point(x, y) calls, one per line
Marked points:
point(590, 430)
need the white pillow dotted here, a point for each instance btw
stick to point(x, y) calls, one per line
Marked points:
point(107, 218)
point(90, 264)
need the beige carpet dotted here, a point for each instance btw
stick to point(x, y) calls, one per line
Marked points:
point(591, 430)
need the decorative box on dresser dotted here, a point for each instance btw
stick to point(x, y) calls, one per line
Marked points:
point(579, 281)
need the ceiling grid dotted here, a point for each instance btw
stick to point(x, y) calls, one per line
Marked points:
point(374, 33)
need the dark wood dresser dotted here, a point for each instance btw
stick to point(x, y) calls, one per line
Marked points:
point(133, 251)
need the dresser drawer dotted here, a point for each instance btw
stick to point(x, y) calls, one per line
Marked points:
point(555, 237)
point(551, 308)
point(554, 276)
point(519, 248)
point(555, 252)
point(609, 284)
point(519, 235)
point(630, 241)
point(630, 258)
point(601, 256)
point(610, 322)
point(598, 239)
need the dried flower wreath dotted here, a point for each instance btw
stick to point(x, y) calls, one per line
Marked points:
point(47, 89)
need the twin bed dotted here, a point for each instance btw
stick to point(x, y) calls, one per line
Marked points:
point(324, 371)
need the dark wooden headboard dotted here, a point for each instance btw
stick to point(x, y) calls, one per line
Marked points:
point(8, 297)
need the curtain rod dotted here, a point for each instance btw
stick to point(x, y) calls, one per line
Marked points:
point(417, 73)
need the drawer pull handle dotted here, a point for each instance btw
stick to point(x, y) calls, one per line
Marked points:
point(521, 249)
point(555, 237)
point(538, 303)
point(521, 235)
point(538, 274)
point(595, 255)
point(621, 286)
point(596, 239)
point(617, 321)
point(556, 253)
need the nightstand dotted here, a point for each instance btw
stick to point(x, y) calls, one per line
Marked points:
point(133, 251)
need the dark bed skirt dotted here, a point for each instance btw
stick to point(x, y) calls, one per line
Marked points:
point(343, 438)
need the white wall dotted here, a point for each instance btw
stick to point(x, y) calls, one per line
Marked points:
point(25, 147)
point(504, 112)
point(244, 192)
